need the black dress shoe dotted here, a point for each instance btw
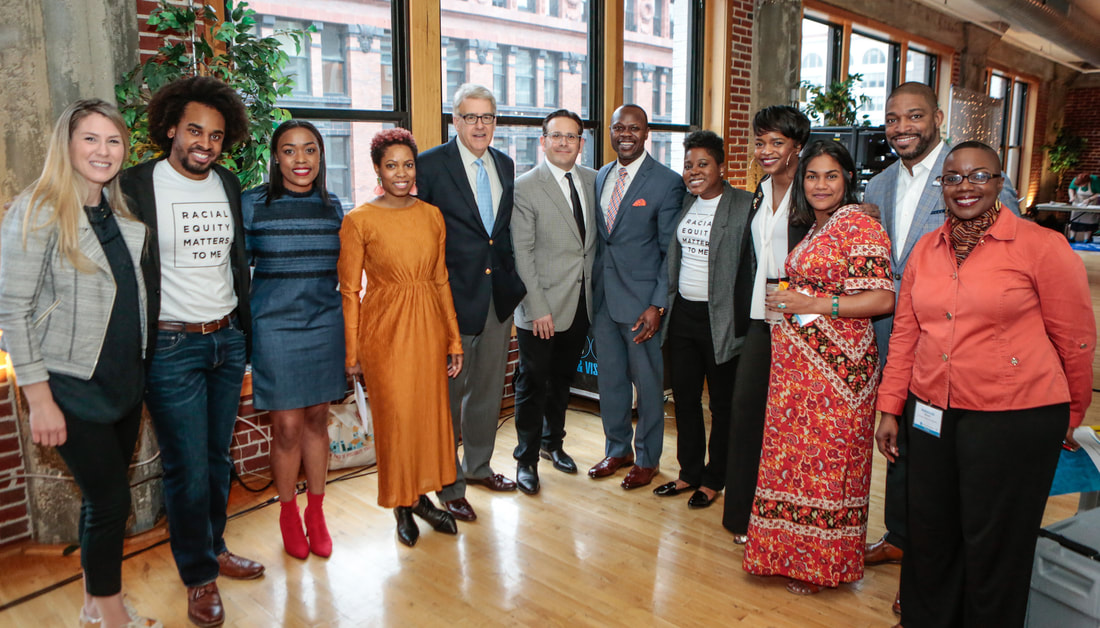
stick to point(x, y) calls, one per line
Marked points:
point(699, 499)
point(440, 520)
point(562, 461)
point(407, 532)
point(669, 489)
point(527, 478)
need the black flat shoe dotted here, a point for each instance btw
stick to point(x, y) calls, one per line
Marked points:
point(527, 478)
point(562, 461)
point(669, 489)
point(407, 532)
point(699, 499)
point(440, 520)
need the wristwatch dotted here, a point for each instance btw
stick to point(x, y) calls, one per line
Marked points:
point(660, 311)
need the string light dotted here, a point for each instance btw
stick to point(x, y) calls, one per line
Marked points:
point(974, 116)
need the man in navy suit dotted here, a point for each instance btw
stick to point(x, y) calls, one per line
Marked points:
point(639, 201)
point(911, 203)
point(472, 185)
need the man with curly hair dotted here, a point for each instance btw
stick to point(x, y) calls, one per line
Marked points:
point(197, 276)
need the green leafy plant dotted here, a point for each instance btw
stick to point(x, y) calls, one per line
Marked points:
point(836, 104)
point(1065, 153)
point(251, 65)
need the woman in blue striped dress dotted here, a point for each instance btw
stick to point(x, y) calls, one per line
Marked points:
point(292, 229)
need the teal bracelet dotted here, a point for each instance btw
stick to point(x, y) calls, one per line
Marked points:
point(836, 307)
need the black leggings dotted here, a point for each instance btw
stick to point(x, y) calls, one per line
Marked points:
point(98, 455)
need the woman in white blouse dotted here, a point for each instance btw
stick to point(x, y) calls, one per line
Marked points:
point(781, 132)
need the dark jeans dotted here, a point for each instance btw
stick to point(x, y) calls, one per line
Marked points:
point(98, 455)
point(193, 391)
point(976, 499)
point(750, 400)
point(546, 369)
point(690, 361)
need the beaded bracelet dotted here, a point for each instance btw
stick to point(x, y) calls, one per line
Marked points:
point(836, 307)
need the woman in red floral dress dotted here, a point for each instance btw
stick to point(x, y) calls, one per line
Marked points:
point(809, 518)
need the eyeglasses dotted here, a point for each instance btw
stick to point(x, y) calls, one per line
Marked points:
point(472, 118)
point(977, 178)
point(556, 137)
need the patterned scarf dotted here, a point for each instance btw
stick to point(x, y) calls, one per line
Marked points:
point(966, 233)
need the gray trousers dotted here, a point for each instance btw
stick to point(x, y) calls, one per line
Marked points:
point(475, 401)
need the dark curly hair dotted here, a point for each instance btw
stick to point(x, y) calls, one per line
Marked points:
point(708, 141)
point(166, 108)
point(802, 213)
point(387, 138)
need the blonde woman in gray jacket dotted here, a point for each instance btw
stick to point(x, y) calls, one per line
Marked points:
point(72, 311)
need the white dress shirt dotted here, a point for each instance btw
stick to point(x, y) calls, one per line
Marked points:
point(468, 159)
point(613, 177)
point(769, 239)
point(910, 189)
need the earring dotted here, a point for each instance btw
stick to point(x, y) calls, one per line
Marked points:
point(414, 191)
point(787, 164)
point(378, 191)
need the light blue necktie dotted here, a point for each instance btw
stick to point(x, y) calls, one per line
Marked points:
point(484, 197)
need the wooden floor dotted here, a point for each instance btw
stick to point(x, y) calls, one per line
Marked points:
point(581, 553)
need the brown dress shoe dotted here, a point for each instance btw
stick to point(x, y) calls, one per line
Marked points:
point(896, 606)
point(238, 567)
point(609, 466)
point(881, 551)
point(460, 509)
point(494, 482)
point(639, 477)
point(204, 605)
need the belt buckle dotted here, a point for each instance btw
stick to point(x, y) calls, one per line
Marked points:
point(213, 327)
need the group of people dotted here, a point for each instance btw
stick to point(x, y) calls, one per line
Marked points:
point(159, 283)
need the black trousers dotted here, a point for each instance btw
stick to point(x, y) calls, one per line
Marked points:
point(98, 455)
point(976, 500)
point(690, 361)
point(750, 400)
point(544, 372)
point(896, 506)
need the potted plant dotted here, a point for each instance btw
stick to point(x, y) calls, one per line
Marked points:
point(836, 104)
point(228, 49)
point(1065, 153)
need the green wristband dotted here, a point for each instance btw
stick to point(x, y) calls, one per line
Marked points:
point(836, 307)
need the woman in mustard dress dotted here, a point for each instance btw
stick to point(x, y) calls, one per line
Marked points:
point(402, 337)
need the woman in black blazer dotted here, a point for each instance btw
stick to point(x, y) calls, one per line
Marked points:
point(703, 261)
point(781, 132)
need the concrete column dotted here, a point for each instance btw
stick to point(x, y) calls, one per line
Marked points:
point(974, 56)
point(52, 53)
point(777, 42)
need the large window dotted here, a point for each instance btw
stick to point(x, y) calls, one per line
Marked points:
point(334, 60)
point(1014, 93)
point(871, 57)
point(819, 44)
point(920, 66)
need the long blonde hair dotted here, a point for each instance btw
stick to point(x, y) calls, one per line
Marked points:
point(62, 190)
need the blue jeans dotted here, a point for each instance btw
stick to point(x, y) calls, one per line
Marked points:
point(193, 389)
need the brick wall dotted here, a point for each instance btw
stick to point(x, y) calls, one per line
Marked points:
point(14, 520)
point(739, 124)
point(1082, 116)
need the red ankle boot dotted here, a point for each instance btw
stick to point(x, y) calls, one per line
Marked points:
point(290, 523)
point(320, 542)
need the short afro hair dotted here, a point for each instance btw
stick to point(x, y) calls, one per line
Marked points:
point(708, 141)
point(167, 105)
point(387, 138)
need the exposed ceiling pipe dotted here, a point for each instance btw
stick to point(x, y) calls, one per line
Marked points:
point(1077, 35)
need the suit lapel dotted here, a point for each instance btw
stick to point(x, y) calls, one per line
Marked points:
point(457, 171)
point(930, 200)
point(507, 188)
point(601, 179)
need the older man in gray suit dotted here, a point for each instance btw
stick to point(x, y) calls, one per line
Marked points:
point(554, 236)
point(910, 200)
point(639, 201)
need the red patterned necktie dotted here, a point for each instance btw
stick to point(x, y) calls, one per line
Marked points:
point(616, 198)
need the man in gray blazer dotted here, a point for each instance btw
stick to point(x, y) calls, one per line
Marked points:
point(639, 200)
point(554, 237)
point(910, 200)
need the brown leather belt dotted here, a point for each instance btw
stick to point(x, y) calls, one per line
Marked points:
point(195, 328)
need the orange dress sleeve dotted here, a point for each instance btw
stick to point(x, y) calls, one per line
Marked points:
point(349, 268)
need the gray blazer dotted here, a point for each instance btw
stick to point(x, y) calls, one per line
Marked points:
point(727, 233)
point(930, 215)
point(54, 317)
point(551, 259)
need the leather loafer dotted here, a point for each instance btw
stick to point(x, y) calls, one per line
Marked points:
point(669, 489)
point(609, 465)
point(440, 520)
point(527, 478)
point(460, 509)
point(639, 477)
point(238, 567)
point(407, 531)
point(699, 499)
point(881, 551)
point(494, 482)
point(562, 461)
point(896, 606)
point(204, 605)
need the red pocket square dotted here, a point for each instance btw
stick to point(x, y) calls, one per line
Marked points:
point(638, 203)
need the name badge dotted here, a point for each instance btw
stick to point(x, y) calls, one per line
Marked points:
point(928, 419)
